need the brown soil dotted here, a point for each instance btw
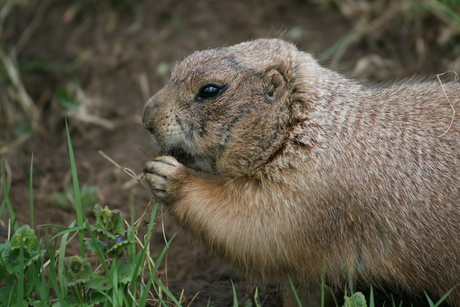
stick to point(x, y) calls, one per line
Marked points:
point(120, 44)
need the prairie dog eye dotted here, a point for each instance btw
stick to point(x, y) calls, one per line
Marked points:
point(209, 91)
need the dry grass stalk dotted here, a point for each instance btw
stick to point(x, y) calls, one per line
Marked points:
point(21, 96)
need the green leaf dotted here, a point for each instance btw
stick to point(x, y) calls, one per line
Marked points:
point(29, 256)
point(10, 253)
point(99, 283)
point(90, 244)
point(356, 300)
point(97, 297)
point(5, 246)
point(89, 197)
point(118, 223)
point(69, 302)
point(4, 293)
point(77, 270)
point(15, 251)
point(20, 303)
point(102, 216)
point(119, 246)
point(104, 233)
point(10, 263)
point(109, 220)
point(126, 272)
point(62, 200)
point(35, 303)
point(66, 200)
point(25, 236)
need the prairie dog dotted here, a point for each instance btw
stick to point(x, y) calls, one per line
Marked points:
point(312, 173)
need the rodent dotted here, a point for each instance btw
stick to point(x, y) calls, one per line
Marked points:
point(312, 173)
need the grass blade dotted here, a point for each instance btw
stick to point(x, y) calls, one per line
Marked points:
point(62, 248)
point(31, 192)
point(21, 279)
point(442, 299)
point(162, 254)
point(145, 291)
point(235, 298)
point(168, 293)
point(76, 187)
point(6, 200)
point(371, 298)
point(295, 292)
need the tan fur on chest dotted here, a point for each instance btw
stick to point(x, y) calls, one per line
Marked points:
point(312, 171)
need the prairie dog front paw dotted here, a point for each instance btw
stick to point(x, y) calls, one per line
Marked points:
point(165, 176)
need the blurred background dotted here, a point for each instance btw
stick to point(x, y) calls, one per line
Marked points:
point(96, 62)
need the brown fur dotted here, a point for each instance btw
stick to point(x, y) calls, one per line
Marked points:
point(313, 172)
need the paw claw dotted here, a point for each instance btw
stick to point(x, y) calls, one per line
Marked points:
point(171, 161)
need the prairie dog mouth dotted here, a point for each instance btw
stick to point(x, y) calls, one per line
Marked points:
point(191, 161)
point(196, 163)
point(181, 156)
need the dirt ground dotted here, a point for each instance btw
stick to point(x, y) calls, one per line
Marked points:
point(117, 54)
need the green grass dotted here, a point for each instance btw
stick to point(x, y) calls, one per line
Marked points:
point(113, 267)
point(357, 299)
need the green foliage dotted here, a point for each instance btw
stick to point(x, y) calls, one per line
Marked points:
point(442, 299)
point(114, 266)
point(357, 299)
point(84, 283)
point(68, 102)
point(66, 199)
point(77, 271)
point(109, 220)
point(21, 251)
point(106, 236)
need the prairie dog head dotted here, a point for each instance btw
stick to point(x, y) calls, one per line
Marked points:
point(228, 110)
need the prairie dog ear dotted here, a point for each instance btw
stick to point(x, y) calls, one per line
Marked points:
point(275, 82)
